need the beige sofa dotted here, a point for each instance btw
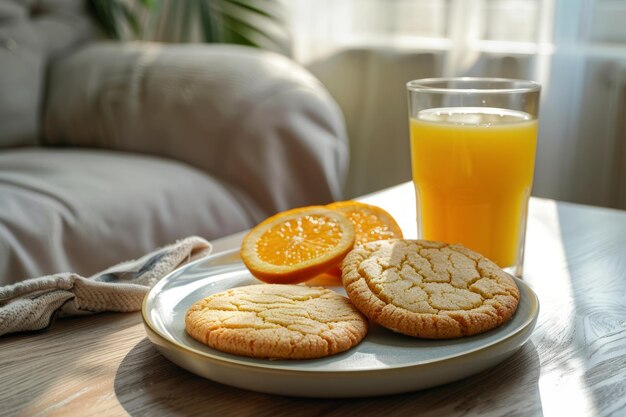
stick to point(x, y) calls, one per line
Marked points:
point(109, 150)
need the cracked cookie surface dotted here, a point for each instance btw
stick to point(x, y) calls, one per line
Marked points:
point(428, 289)
point(277, 321)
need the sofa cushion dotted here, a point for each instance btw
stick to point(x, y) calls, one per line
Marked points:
point(31, 33)
point(250, 117)
point(92, 209)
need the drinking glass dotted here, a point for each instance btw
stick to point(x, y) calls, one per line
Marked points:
point(473, 144)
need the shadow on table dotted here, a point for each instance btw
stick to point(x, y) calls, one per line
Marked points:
point(147, 383)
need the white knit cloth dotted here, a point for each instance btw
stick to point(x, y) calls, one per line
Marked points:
point(32, 304)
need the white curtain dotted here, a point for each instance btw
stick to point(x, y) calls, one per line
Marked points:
point(366, 50)
point(461, 27)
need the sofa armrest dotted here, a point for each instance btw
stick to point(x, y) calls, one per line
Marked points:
point(253, 119)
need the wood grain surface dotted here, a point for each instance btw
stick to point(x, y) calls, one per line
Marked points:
point(574, 364)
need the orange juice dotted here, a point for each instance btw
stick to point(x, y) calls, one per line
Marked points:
point(473, 171)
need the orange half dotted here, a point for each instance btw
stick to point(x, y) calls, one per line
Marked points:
point(296, 245)
point(371, 223)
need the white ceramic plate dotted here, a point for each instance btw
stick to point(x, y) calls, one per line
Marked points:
point(383, 363)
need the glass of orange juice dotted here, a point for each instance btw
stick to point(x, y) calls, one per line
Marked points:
point(473, 143)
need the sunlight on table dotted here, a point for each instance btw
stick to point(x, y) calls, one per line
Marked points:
point(559, 396)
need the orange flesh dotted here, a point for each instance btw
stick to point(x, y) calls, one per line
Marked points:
point(368, 227)
point(299, 240)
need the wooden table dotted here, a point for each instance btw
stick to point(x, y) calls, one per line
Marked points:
point(574, 364)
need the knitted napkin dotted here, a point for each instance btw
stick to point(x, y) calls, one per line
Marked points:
point(32, 304)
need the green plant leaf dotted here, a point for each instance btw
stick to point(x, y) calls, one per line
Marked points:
point(131, 19)
point(259, 23)
point(263, 7)
point(244, 24)
point(148, 4)
point(114, 15)
point(104, 15)
point(243, 32)
point(208, 23)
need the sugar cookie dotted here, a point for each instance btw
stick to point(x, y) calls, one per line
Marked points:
point(277, 321)
point(428, 289)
